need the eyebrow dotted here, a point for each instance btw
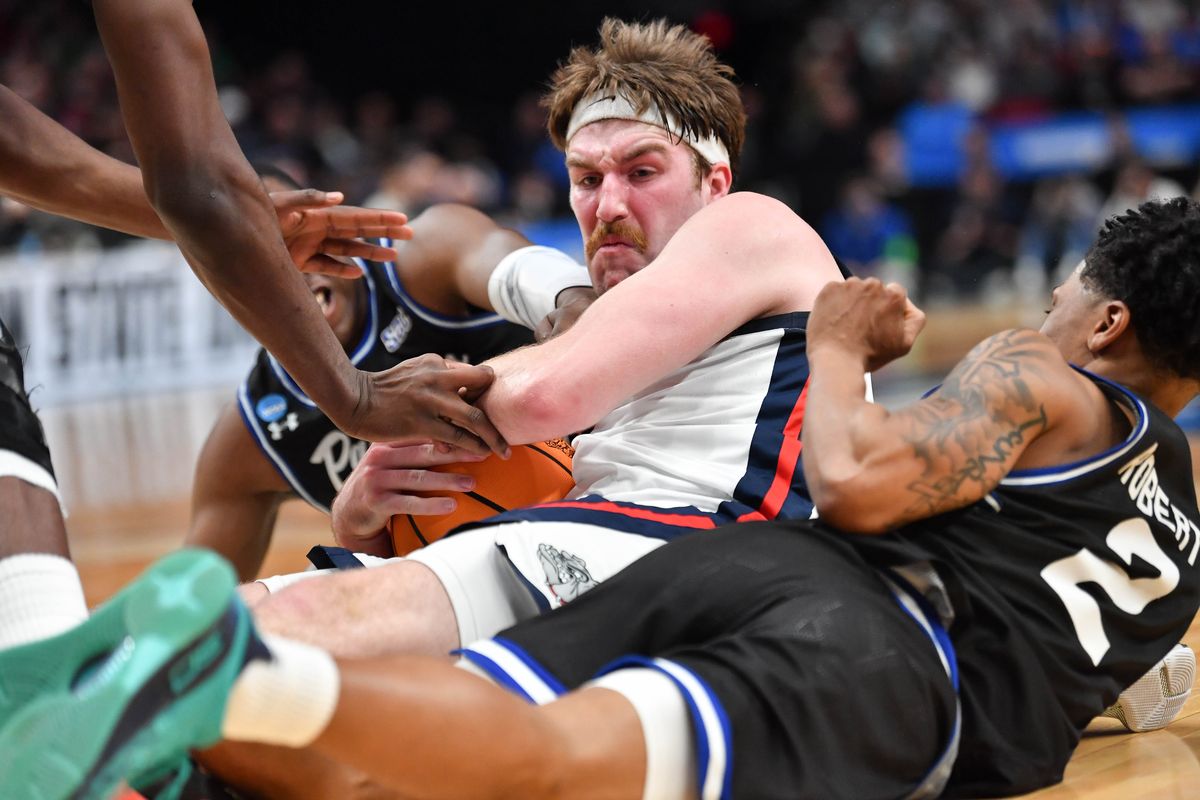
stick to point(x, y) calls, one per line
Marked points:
point(580, 162)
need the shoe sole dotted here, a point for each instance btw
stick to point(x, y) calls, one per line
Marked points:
point(158, 693)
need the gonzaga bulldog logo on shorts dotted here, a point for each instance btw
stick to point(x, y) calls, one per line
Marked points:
point(566, 574)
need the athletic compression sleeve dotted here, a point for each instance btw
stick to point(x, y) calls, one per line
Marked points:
point(526, 283)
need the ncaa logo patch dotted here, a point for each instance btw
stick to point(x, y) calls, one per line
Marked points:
point(271, 407)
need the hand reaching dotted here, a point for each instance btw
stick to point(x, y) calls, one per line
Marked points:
point(316, 229)
point(381, 486)
point(425, 399)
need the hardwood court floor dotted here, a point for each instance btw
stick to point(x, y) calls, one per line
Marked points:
point(125, 469)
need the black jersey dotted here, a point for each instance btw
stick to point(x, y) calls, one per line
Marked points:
point(1068, 584)
point(312, 455)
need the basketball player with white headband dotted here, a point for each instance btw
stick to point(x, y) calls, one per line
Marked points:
point(690, 375)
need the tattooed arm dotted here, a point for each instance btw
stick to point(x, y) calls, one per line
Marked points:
point(1012, 399)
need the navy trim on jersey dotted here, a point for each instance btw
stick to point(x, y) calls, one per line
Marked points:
point(789, 377)
point(712, 731)
point(281, 466)
point(1075, 469)
point(365, 342)
point(507, 663)
point(614, 515)
point(795, 320)
point(436, 318)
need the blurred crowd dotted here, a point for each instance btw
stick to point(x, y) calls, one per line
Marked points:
point(824, 93)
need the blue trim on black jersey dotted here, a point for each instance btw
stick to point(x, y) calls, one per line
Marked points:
point(1139, 428)
point(484, 319)
point(276, 460)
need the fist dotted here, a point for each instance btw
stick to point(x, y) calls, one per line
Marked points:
point(865, 319)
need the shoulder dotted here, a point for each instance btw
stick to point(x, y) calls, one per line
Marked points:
point(1017, 359)
point(1019, 375)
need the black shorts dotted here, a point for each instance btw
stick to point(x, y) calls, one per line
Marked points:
point(825, 687)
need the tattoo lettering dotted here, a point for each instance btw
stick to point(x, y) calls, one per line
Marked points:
point(971, 430)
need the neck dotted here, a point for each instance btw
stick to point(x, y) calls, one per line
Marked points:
point(1167, 392)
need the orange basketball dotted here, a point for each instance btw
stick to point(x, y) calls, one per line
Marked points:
point(536, 473)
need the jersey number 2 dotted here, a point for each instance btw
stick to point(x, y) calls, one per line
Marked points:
point(1131, 595)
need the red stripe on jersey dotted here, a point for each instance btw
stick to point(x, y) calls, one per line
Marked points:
point(667, 518)
point(789, 457)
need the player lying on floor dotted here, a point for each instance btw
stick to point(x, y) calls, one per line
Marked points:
point(275, 444)
point(993, 563)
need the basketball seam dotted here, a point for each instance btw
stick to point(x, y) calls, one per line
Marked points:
point(556, 462)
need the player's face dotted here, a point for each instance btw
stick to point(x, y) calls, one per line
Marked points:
point(1072, 316)
point(342, 301)
point(632, 187)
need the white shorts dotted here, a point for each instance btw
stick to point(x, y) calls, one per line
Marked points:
point(499, 575)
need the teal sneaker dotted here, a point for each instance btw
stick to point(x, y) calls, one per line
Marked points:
point(126, 694)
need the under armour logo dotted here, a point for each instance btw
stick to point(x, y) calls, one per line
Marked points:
point(290, 422)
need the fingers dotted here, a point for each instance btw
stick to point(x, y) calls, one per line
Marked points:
point(354, 248)
point(468, 418)
point(352, 221)
point(326, 265)
point(300, 199)
point(401, 456)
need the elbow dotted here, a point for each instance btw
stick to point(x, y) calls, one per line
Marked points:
point(545, 411)
point(536, 410)
point(192, 194)
point(852, 505)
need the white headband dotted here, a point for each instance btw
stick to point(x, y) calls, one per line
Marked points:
point(599, 107)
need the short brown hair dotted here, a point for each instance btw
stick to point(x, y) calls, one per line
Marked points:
point(652, 64)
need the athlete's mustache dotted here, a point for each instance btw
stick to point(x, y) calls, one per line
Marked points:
point(620, 229)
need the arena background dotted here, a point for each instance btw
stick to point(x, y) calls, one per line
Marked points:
point(968, 149)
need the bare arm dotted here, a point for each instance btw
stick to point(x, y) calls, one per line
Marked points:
point(453, 251)
point(742, 257)
point(207, 194)
point(870, 470)
point(235, 497)
point(212, 202)
point(48, 167)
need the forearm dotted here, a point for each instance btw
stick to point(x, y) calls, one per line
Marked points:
point(227, 231)
point(49, 168)
point(209, 197)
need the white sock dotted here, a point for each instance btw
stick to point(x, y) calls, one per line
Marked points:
point(286, 701)
point(40, 596)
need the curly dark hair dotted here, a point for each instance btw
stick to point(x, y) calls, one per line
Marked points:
point(1150, 259)
point(652, 63)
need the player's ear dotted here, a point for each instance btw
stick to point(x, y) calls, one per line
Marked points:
point(718, 181)
point(1112, 324)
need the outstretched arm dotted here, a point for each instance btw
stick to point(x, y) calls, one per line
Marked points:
point(1011, 399)
point(207, 194)
point(49, 168)
point(213, 203)
point(451, 258)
